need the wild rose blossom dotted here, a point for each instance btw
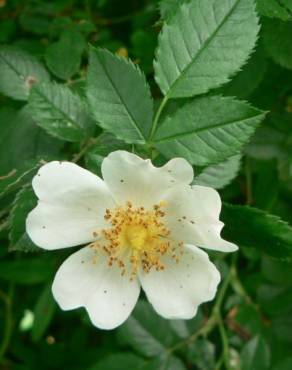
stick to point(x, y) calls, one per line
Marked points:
point(141, 225)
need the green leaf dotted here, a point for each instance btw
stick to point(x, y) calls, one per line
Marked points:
point(276, 271)
point(207, 130)
point(203, 45)
point(63, 58)
point(146, 332)
point(202, 354)
point(267, 143)
point(219, 175)
point(60, 112)
point(255, 355)
point(19, 71)
point(284, 364)
point(24, 202)
point(119, 361)
point(274, 9)
point(119, 96)
point(165, 362)
point(27, 270)
point(277, 41)
point(106, 144)
point(251, 227)
point(248, 79)
point(43, 313)
point(169, 7)
point(21, 140)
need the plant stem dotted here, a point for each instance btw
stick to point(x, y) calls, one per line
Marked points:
point(7, 300)
point(225, 351)
point(157, 116)
point(87, 145)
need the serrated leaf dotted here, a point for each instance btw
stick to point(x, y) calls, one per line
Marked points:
point(249, 78)
point(60, 112)
point(255, 355)
point(274, 9)
point(119, 96)
point(277, 41)
point(169, 7)
point(23, 203)
point(63, 58)
point(207, 130)
point(21, 140)
point(120, 361)
point(43, 313)
point(219, 175)
point(251, 227)
point(146, 332)
point(19, 71)
point(203, 45)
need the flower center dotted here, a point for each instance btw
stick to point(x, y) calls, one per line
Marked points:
point(137, 238)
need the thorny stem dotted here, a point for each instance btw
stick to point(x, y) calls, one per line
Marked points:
point(7, 300)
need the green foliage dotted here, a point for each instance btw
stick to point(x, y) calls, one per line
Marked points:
point(63, 58)
point(19, 71)
point(213, 129)
point(275, 8)
point(219, 175)
point(77, 81)
point(43, 313)
point(26, 271)
point(251, 227)
point(60, 112)
point(22, 140)
point(24, 202)
point(255, 355)
point(276, 36)
point(195, 55)
point(120, 361)
point(115, 106)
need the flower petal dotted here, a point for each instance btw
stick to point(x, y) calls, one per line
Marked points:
point(178, 290)
point(72, 203)
point(131, 178)
point(86, 280)
point(192, 216)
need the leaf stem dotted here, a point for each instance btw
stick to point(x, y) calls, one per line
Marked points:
point(157, 116)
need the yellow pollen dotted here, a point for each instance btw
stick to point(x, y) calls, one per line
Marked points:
point(137, 239)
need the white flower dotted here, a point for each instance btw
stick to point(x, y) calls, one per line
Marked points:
point(143, 226)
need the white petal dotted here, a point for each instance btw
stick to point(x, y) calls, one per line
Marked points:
point(86, 280)
point(192, 215)
point(72, 203)
point(177, 291)
point(131, 178)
